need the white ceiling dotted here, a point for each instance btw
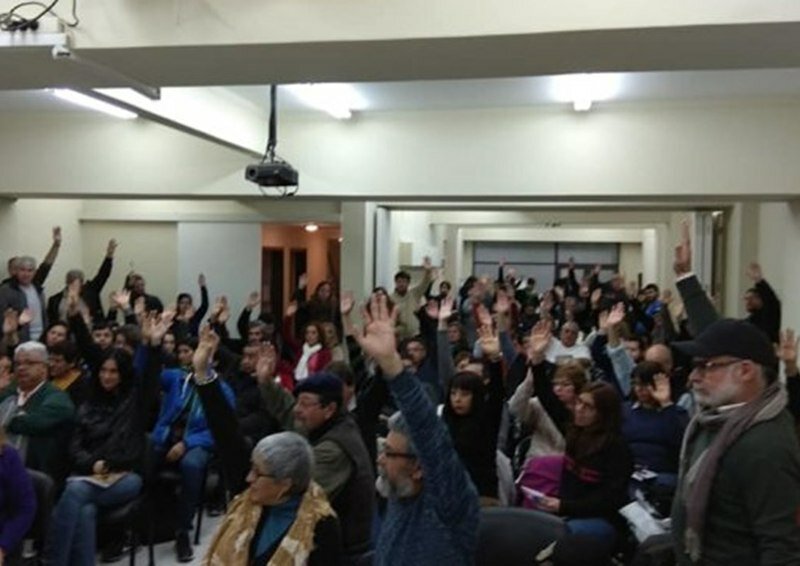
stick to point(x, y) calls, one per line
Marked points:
point(503, 92)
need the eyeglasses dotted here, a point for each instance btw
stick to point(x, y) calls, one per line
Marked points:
point(306, 404)
point(703, 366)
point(392, 454)
point(259, 474)
point(28, 362)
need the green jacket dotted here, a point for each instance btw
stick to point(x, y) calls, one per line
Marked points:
point(46, 420)
point(753, 514)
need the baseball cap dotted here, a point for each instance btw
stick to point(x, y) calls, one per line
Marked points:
point(731, 337)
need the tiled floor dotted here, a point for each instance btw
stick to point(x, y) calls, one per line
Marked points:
point(164, 553)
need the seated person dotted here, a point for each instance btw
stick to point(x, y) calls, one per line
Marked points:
point(36, 414)
point(17, 500)
point(107, 446)
point(65, 373)
point(181, 439)
point(284, 516)
point(653, 425)
point(597, 468)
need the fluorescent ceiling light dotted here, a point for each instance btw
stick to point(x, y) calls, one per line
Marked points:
point(92, 103)
point(583, 89)
point(337, 99)
point(311, 227)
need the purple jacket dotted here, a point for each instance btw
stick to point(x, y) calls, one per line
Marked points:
point(17, 500)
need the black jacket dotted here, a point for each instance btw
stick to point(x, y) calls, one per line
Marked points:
point(90, 293)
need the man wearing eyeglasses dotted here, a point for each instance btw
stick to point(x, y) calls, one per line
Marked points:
point(35, 413)
point(432, 514)
point(738, 498)
point(342, 465)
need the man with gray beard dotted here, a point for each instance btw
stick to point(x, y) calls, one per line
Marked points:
point(432, 514)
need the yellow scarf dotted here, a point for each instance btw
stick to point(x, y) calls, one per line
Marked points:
point(231, 543)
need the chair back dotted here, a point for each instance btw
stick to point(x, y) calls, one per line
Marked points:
point(45, 489)
point(511, 535)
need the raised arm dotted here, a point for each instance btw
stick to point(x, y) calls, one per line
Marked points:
point(47, 263)
point(621, 361)
point(229, 441)
point(197, 317)
point(418, 291)
point(444, 475)
point(104, 272)
point(699, 308)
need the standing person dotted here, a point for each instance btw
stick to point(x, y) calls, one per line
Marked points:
point(432, 514)
point(89, 290)
point(188, 319)
point(762, 304)
point(406, 299)
point(738, 492)
point(22, 293)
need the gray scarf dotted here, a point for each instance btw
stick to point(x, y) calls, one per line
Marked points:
point(697, 478)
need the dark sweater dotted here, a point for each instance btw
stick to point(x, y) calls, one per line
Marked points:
point(475, 435)
point(439, 525)
point(654, 436)
point(17, 500)
point(597, 487)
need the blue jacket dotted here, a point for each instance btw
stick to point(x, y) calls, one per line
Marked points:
point(179, 391)
point(438, 526)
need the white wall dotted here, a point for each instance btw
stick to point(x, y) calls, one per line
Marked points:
point(149, 248)
point(720, 149)
point(229, 254)
point(630, 261)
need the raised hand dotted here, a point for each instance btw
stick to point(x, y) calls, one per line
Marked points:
point(426, 263)
point(267, 363)
point(302, 281)
point(201, 280)
point(225, 311)
point(662, 389)
point(346, 303)
point(121, 299)
point(754, 272)
point(616, 315)
point(377, 339)
point(138, 307)
point(161, 326)
point(484, 316)
point(432, 309)
point(541, 334)
point(111, 247)
point(502, 304)
point(10, 322)
point(25, 317)
point(57, 235)
point(787, 351)
point(73, 297)
point(682, 262)
point(206, 346)
point(146, 325)
point(595, 298)
point(291, 310)
point(489, 342)
point(253, 300)
point(446, 308)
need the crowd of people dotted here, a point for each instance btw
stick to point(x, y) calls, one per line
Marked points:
point(376, 437)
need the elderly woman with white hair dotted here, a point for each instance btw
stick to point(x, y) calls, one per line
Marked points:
point(280, 517)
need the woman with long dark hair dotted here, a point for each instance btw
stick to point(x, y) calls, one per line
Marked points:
point(106, 451)
point(597, 468)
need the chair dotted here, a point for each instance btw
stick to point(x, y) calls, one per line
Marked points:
point(45, 489)
point(128, 516)
point(511, 535)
